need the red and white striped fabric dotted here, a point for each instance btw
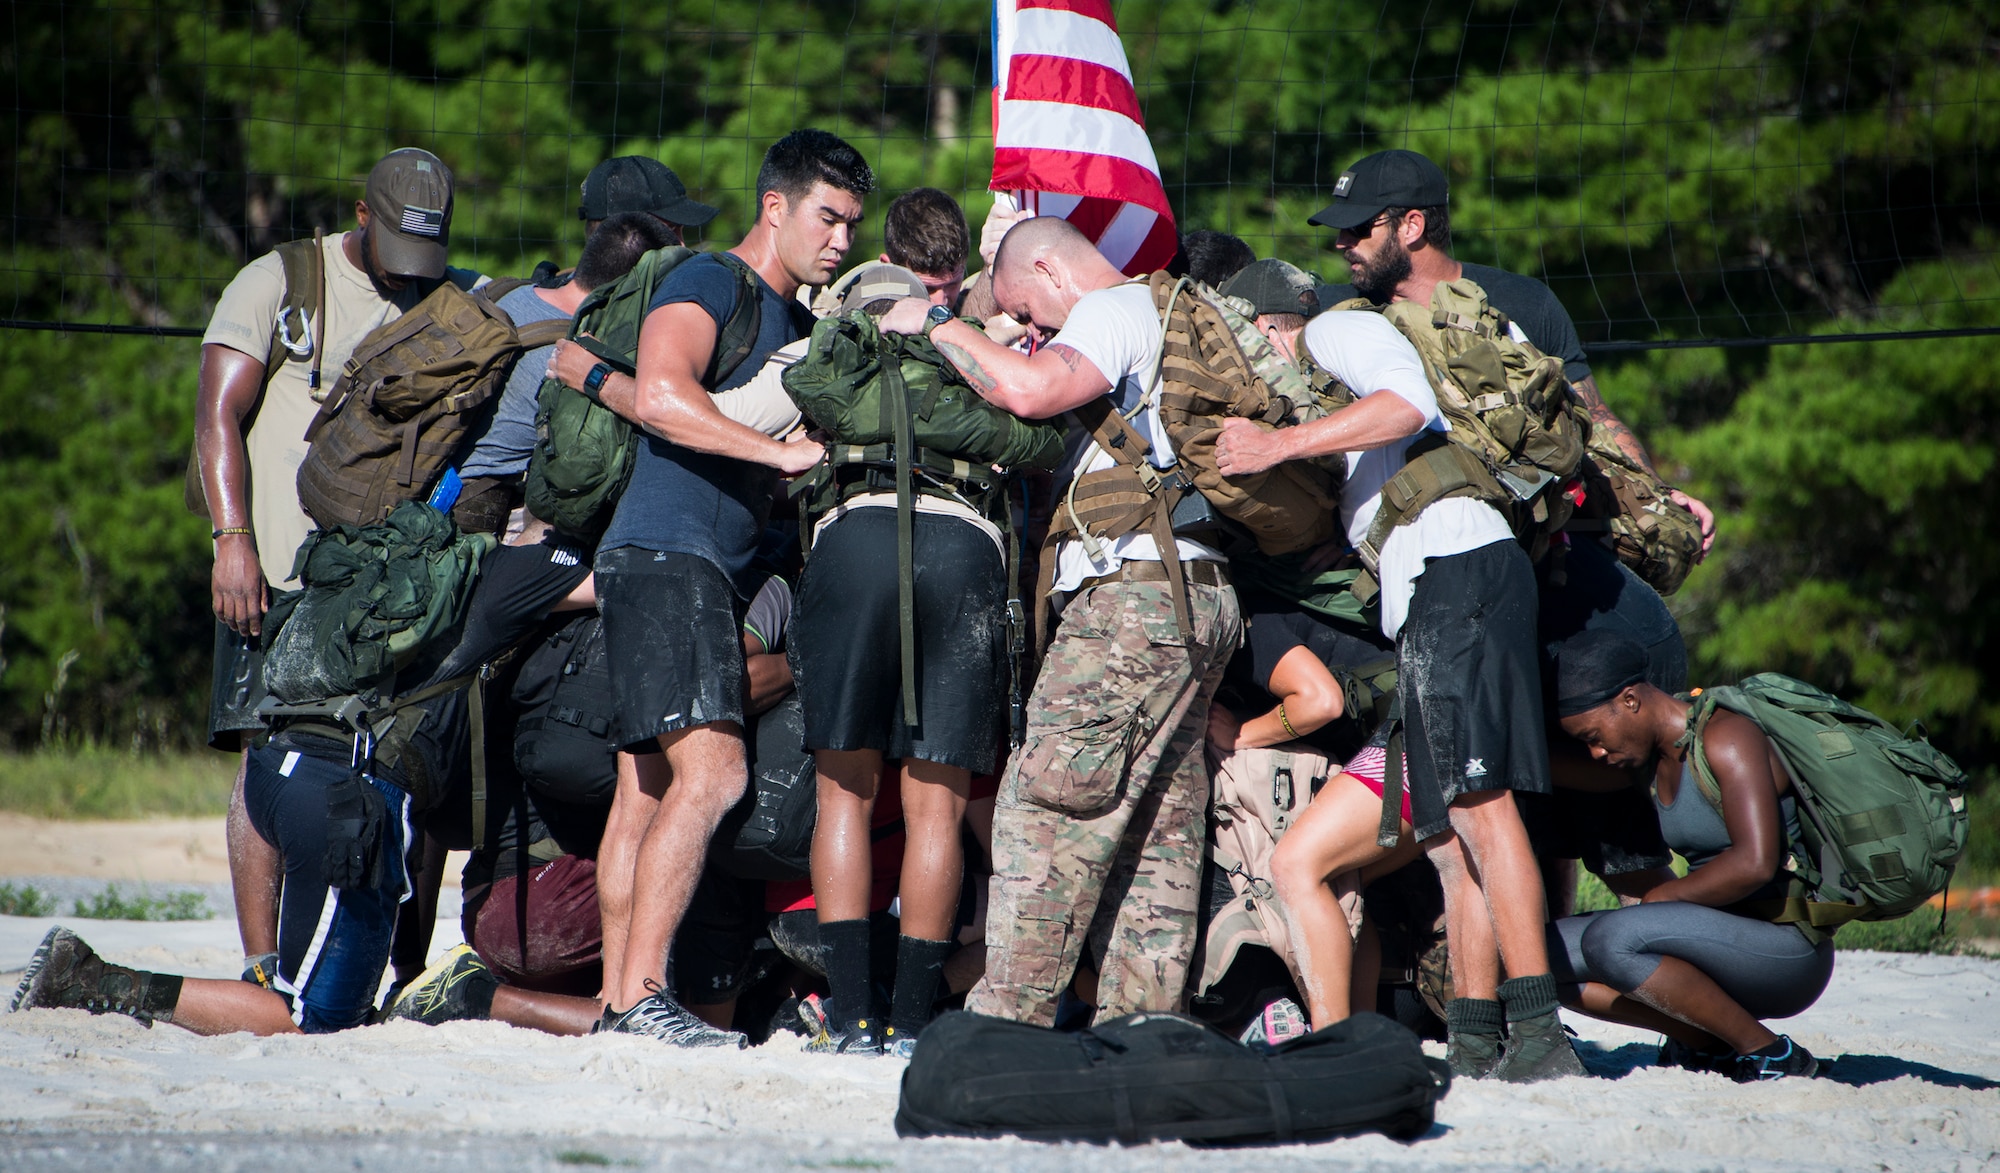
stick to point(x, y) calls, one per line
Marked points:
point(1068, 137)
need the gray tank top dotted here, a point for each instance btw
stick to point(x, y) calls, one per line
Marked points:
point(1695, 829)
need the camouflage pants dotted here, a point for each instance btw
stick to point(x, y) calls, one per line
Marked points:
point(1101, 822)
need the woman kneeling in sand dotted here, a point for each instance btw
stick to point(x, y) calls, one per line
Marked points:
point(1687, 961)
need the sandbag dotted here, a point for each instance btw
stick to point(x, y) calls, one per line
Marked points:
point(1161, 1077)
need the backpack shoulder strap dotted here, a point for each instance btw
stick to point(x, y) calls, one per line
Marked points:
point(738, 335)
point(1701, 708)
point(300, 328)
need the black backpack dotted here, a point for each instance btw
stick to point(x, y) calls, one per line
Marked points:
point(768, 836)
point(562, 734)
point(1159, 1077)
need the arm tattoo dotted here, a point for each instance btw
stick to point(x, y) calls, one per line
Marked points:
point(1606, 423)
point(975, 372)
point(1070, 358)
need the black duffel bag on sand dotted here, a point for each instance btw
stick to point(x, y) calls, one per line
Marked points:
point(1161, 1077)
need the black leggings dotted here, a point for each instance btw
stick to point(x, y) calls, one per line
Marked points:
point(1770, 970)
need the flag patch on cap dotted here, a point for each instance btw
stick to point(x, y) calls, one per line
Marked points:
point(422, 221)
point(1341, 185)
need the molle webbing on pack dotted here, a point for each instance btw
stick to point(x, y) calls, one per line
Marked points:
point(1631, 511)
point(404, 405)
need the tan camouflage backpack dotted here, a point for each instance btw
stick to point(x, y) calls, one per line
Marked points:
point(1627, 508)
point(1258, 795)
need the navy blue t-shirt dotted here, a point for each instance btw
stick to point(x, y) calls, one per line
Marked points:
point(686, 502)
point(1530, 303)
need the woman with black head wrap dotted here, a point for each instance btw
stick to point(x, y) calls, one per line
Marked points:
point(1690, 960)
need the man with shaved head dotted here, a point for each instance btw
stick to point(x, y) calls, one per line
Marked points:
point(1099, 831)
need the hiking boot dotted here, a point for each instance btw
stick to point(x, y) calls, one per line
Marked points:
point(1674, 1053)
point(66, 974)
point(458, 987)
point(1472, 1055)
point(857, 1038)
point(1281, 1022)
point(658, 1016)
point(1538, 1048)
point(1793, 1062)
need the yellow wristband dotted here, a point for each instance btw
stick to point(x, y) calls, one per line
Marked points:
point(1289, 731)
point(229, 529)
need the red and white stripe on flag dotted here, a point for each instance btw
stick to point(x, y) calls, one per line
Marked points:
point(1067, 131)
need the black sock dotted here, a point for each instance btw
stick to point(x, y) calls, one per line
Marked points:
point(919, 971)
point(1473, 1016)
point(1528, 997)
point(479, 990)
point(845, 943)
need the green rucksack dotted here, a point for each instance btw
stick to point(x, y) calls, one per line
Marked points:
point(1882, 813)
point(583, 454)
point(899, 417)
point(372, 598)
point(1517, 437)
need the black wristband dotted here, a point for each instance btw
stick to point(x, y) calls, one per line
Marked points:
point(593, 382)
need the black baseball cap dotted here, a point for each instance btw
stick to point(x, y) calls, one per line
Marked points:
point(1275, 287)
point(409, 202)
point(636, 183)
point(1385, 179)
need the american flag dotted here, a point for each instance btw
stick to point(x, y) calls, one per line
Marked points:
point(1068, 137)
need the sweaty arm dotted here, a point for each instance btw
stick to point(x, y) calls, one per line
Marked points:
point(1740, 756)
point(761, 404)
point(231, 381)
point(1605, 422)
point(1053, 380)
point(670, 402)
point(1372, 422)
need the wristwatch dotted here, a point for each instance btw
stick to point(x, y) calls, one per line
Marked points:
point(937, 316)
point(593, 383)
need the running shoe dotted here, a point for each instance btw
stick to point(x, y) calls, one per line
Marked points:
point(899, 1046)
point(458, 987)
point(658, 1016)
point(1793, 1062)
point(1281, 1022)
point(261, 970)
point(857, 1038)
point(66, 974)
point(1538, 1048)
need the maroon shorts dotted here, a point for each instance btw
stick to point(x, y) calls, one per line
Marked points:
point(540, 930)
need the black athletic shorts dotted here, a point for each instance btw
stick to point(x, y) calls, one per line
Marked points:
point(1471, 689)
point(673, 627)
point(712, 949)
point(846, 648)
point(236, 688)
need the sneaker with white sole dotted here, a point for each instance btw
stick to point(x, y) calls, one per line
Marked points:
point(658, 1016)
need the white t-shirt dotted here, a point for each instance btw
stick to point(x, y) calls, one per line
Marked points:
point(1117, 330)
point(1368, 354)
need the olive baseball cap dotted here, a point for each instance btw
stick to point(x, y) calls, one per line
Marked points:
point(1275, 287)
point(409, 204)
point(1383, 180)
point(635, 183)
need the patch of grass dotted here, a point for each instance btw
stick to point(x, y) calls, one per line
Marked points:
point(586, 1157)
point(1591, 894)
point(111, 904)
point(98, 782)
point(25, 900)
point(1919, 932)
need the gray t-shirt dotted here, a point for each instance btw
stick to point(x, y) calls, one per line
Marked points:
point(510, 436)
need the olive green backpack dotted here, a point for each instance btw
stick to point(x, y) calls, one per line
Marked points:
point(1882, 815)
point(583, 454)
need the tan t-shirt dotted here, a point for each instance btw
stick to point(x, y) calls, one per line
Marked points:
point(274, 434)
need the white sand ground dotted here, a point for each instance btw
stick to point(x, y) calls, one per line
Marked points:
point(1916, 1087)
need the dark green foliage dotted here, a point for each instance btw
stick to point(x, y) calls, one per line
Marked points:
point(112, 904)
point(24, 900)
